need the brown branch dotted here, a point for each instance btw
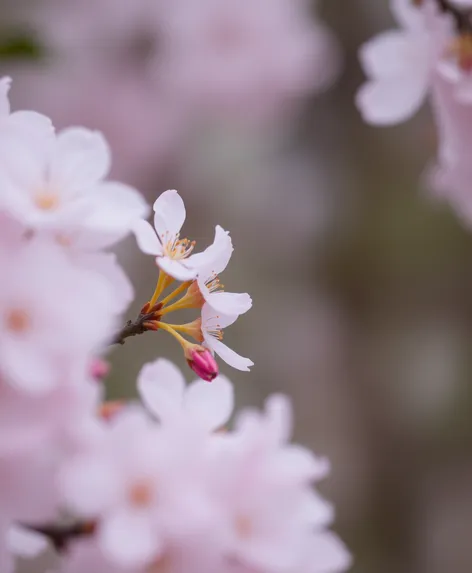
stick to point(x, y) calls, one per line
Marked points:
point(61, 535)
point(138, 326)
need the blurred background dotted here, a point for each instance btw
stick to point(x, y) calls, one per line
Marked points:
point(362, 284)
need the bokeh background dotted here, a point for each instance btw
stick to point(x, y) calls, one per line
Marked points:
point(362, 283)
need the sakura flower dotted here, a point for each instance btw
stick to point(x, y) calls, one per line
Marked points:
point(398, 64)
point(118, 482)
point(163, 391)
point(273, 516)
point(212, 325)
point(62, 187)
point(210, 265)
point(172, 253)
point(51, 322)
point(246, 58)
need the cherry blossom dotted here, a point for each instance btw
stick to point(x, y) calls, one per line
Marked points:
point(38, 307)
point(210, 265)
point(212, 325)
point(399, 66)
point(62, 189)
point(163, 391)
point(172, 253)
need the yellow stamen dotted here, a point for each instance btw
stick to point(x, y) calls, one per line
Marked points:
point(163, 282)
point(177, 291)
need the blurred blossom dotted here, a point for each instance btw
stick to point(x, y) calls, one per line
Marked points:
point(167, 69)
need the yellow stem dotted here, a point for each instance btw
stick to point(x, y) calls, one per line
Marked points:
point(162, 282)
point(177, 291)
point(170, 329)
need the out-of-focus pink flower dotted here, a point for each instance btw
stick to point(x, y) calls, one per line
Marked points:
point(163, 391)
point(63, 187)
point(51, 321)
point(399, 65)
point(246, 58)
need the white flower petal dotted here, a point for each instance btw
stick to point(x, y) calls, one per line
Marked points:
point(161, 387)
point(387, 102)
point(90, 485)
point(407, 14)
point(228, 355)
point(215, 258)
point(385, 55)
point(169, 214)
point(113, 210)
point(211, 319)
point(229, 303)
point(328, 554)
point(176, 269)
point(24, 542)
point(127, 538)
point(146, 238)
point(210, 404)
point(82, 159)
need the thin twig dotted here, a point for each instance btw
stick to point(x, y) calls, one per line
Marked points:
point(138, 326)
point(61, 535)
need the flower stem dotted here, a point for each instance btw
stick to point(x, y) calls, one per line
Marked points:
point(177, 291)
point(163, 282)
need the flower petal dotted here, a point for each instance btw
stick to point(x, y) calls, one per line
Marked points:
point(229, 356)
point(176, 269)
point(386, 55)
point(229, 303)
point(24, 542)
point(169, 215)
point(328, 554)
point(387, 102)
point(161, 388)
point(146, 238)
point(82, 158)
point(127, 538)
point(210, 404)
point(215, 258)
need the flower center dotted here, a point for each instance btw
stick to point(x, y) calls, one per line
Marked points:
point(243, 526)
point(177, 249)
point(46, 200)
point(17, 320)
point(461, 49)
point(213, 284)
point(141, 494)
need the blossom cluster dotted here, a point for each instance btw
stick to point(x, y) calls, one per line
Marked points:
point(428, 56)
point(159, 485)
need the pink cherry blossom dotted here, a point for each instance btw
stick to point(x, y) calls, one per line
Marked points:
point(171, 252)
point(212, 325)
point(63, 187)
point(50, 322)
point(246, 58)
point(163, 391)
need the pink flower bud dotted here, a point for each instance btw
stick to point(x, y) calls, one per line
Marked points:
point(203, 363)
point(99, 369)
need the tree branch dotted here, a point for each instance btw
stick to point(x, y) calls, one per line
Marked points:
point(61, 535)
point(142, 324)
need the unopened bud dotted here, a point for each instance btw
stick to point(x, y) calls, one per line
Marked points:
point(99, 369)
point(201, 361)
